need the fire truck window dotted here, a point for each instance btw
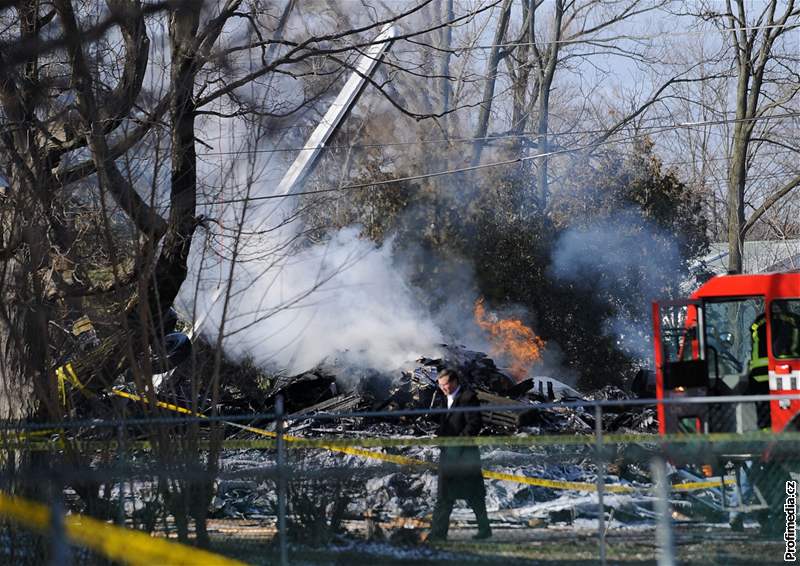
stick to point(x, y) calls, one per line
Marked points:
point(785, 328)
point(677, 338)
point(729, 337)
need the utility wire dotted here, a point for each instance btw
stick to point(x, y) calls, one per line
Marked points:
point(399, 179)
point(374, 184)
point(595, 40)
point(521, 159)
point(657, 127)
point(545, 43)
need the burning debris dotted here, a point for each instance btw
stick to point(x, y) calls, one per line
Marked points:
point(393, 502)
point(333, 388)
point(384, 502)
point(510, 338)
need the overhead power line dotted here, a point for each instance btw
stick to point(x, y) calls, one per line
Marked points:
point(521, 159)
point(444, 141)
point(596, 40)
point(384, 182)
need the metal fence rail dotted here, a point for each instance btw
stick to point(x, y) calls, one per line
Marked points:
point(310, 489)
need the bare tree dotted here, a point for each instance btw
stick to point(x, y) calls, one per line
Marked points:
point(59, 133)
point(757, 62)
point(553, 37)
point(446, 43)
point(102, 112)
point(496, 54)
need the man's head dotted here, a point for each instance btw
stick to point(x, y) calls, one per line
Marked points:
point(448, 381)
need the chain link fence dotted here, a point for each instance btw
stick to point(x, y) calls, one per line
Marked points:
point(360, 488)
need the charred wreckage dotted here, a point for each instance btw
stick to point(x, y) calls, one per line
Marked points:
point(326, 401)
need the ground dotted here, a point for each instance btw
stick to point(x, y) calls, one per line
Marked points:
point(696, 544)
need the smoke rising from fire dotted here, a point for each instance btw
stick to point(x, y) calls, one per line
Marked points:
point(294, 306)
point(341, 299)
point(626, 262)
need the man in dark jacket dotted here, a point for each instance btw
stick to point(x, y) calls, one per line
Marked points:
point(460, 475)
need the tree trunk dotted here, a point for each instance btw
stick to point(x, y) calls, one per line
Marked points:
point(736, 186)
point(495, 56)
point(20, 338)
point(520, 107)
point(751, 63)
point(446, 44)
point(545, 86)
point(171, 268)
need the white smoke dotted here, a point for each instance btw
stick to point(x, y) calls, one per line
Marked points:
point(625, 249)
point(343, 298)
point(628, 262)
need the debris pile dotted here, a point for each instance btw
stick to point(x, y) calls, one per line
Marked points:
point(388, 499)
point(332, 389)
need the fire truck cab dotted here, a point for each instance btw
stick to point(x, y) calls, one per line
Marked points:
point(737, 335)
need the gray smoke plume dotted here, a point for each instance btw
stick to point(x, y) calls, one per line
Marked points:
point(626, 262)
point(342, 299)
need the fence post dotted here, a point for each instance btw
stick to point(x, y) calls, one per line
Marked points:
point(59, 549)
point(279, 416)
point(121, 465)
point(601, 471)
point(664, 542)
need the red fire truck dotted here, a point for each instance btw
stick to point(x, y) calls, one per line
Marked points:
point(737, 335)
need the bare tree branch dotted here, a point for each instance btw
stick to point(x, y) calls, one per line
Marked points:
point(109, 176)
point(770, 202)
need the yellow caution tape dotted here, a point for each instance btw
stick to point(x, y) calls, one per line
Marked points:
point(706, 484)
point(335, 446)
point(557, 484)
point(160, 404)
point(66, 374)
point(113, 542)
point(22, 438)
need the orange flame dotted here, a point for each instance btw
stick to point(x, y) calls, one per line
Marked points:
point(510, 339)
